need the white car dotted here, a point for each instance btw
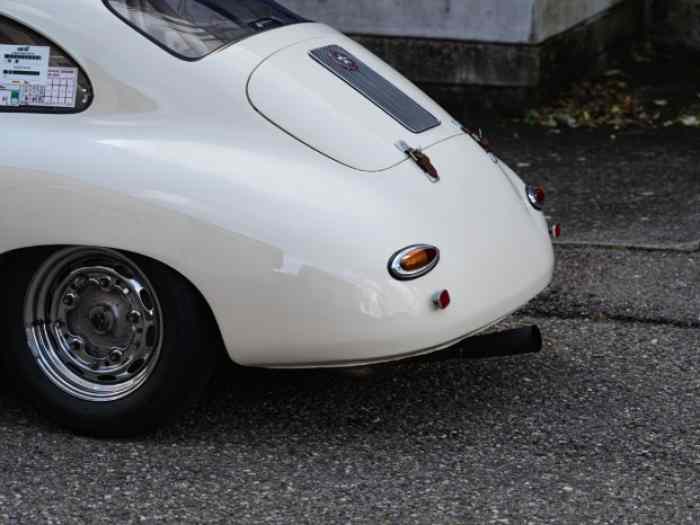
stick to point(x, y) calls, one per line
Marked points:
point(180, 177)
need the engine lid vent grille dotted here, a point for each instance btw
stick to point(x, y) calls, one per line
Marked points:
point(376, 88)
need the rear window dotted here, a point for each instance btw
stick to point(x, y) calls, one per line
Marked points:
point(192, 29)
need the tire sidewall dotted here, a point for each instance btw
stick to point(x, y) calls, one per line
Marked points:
point(184, 366)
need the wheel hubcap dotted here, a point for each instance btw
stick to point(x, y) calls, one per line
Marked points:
point(94, 323)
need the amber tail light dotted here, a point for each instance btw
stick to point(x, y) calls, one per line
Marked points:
point(413, 262)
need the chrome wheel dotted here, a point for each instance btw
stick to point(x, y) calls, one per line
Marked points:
point(93, 323)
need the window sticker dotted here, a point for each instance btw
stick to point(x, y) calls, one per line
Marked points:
point(24, 64)
point(60, 90)
point(10, 96)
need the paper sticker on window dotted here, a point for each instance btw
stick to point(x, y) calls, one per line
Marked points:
point(26, 64)
point(60, 90)
point(10, 96)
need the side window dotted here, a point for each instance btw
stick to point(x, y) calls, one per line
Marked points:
point(37, 75)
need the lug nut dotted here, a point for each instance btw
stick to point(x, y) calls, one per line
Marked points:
point(75, 345)
point(133, 317)
point(70, 299)
point(105, 282)
point(116, 356)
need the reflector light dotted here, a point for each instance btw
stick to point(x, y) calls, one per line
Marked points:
point(536, 196)
point(555, 231)
point(413, 262)
point(442, 299)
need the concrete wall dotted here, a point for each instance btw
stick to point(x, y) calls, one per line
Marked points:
point(682, 24)
point(552, 17)
point(508, 21)
point(496, 21)
point(475, 54)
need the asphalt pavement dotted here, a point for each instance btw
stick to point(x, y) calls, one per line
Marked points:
point(634, 187)
point(603, 426)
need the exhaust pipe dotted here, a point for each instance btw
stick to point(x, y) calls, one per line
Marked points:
point(519, 341)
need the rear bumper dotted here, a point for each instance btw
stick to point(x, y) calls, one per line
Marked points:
point(446, 349)
point(407, 356)
point(518, 341)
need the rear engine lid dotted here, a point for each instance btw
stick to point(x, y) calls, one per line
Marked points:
point(341, 100)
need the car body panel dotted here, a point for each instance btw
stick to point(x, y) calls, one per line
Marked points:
point(323, 111)
point(288, 247)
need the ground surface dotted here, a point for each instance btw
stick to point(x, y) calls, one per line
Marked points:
point(640, 188)
point(602, 427)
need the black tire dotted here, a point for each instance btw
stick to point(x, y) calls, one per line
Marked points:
point(188, 349)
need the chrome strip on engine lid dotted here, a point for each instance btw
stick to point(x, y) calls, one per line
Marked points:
point(376, 88)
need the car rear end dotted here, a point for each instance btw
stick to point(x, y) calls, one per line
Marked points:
point(315, 164)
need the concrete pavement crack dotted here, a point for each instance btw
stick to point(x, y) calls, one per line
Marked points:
point(602, 318)
point(682, 247)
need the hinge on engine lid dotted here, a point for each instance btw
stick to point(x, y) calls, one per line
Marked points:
point(478, 137)
point(421, 159)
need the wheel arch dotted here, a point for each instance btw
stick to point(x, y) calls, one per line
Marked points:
point(10, 257)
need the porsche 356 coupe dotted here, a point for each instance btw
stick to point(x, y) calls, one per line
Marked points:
point(180, 178)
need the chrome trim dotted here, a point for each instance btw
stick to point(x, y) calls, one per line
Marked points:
point(402, 275)
point(421, 160)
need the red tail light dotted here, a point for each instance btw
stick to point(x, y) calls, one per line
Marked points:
point(536, 196)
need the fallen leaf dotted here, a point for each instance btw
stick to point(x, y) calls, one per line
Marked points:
point(549, 122)
point(566, 119)
point(690, 121)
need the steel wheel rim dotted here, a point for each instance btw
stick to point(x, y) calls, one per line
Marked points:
point(93, 323)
